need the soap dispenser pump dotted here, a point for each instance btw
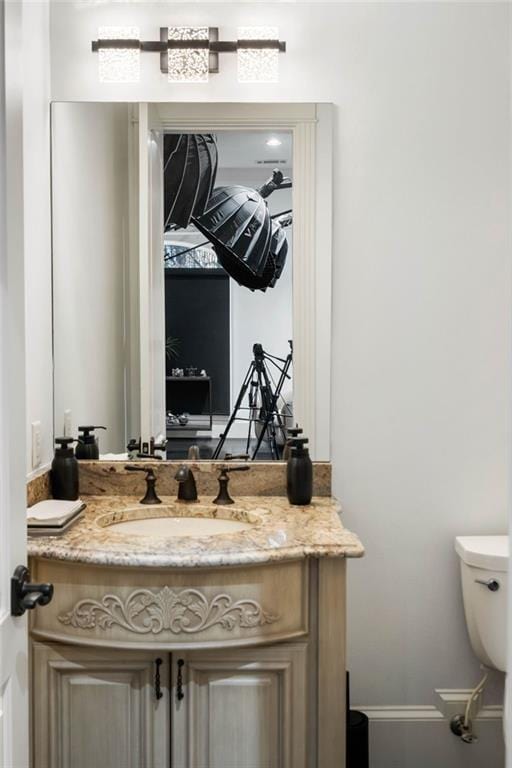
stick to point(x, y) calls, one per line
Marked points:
point(64, 474)
point(87, 447)
point(299, 472)
point(291, 434)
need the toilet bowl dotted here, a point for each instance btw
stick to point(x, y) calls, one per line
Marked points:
point(484, 571)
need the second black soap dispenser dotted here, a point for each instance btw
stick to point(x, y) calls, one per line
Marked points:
point(299, 472)
point(87, 446)
point(64, 475)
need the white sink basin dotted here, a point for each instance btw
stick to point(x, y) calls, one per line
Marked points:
point(178, 520)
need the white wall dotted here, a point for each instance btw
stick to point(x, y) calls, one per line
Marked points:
point(422, 296)
point(38, 289)
point(90, 245)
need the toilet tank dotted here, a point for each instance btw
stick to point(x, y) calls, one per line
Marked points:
point(484, 561)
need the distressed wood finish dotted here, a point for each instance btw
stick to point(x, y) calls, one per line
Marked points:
point(172, 609)
point(98, 708)
point(253, 699)
point(331, 643)
point(241, 709)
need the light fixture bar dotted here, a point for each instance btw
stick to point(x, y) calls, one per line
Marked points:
point(213, 45)
point(218, 46)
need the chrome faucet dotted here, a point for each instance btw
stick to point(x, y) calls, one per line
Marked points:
point(187, 490)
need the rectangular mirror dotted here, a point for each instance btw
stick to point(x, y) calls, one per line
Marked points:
point(219, 267)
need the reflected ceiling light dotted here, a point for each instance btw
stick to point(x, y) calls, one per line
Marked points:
point(119, 61)
point(257, 64)
point(188, 54)
point(273, 142)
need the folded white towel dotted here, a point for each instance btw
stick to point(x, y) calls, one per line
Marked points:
point(54, 509)
point(114, 457)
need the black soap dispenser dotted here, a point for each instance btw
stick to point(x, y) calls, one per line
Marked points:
point(87, 447)
point(299, 472)
point(64, 470)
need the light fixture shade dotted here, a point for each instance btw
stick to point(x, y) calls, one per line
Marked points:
point(237, 223)
point(190, 169)
point(119, 65)
point(188, 65)
point(278, 251)
point(258, 65)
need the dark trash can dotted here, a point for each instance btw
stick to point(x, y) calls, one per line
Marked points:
point(357, 755)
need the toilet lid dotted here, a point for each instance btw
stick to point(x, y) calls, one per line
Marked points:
point(490, 552)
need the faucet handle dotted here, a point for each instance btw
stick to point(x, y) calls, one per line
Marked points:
point(150, 496)
point(154, 446)
point(231, 456)
point(223, 496)
point(148, 470)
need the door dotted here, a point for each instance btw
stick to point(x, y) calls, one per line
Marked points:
point(13, 631)
point(197, 314)
point(100, 708)
point(240, 709)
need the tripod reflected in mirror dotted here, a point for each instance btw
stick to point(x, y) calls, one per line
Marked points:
point(265, 410)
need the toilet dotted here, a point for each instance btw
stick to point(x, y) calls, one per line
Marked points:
point(484, 567)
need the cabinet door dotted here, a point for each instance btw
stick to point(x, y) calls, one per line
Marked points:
point(93, 708)
point(240, 709)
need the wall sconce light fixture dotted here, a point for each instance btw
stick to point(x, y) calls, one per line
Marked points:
point(119, 62)
point(188, 54)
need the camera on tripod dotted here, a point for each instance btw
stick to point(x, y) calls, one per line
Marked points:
point(264, 416)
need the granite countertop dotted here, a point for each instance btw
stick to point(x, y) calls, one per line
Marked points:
point(278, 532)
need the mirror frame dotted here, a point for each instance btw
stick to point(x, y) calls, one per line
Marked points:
point(311, 126)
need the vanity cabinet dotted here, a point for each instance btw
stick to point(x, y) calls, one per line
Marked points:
point(252, 671)
point(240, 709)
point(243, 708)
point(94, 708)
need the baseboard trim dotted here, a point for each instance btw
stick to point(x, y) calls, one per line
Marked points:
point(401, 714)
point(424, 714)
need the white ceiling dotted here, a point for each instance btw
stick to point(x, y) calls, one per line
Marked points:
point(243, 149)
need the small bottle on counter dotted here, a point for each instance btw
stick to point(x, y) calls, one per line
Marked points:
point(299, 472)
point(87, 447)
point(64, 475)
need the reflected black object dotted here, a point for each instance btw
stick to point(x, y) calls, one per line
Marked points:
point(87, 447)
point(262, 412)
point(278, 252)
point(238, 224)
point(190, 169)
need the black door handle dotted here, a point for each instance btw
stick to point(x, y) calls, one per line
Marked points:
point(180, 695)
point(24, 595)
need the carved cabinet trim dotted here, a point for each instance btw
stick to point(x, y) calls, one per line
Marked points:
point(172, 608)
